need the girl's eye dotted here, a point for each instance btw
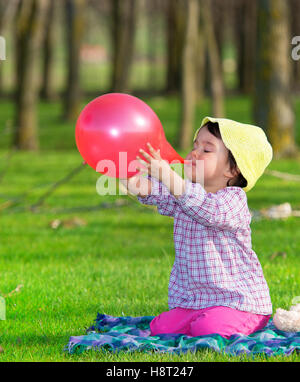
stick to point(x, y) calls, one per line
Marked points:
point(206, 151)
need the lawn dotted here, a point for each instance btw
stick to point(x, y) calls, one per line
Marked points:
point(69, 274)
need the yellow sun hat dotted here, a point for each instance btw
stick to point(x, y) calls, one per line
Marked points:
point(249, 146)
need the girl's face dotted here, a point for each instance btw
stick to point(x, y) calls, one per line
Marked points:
point(208, 162)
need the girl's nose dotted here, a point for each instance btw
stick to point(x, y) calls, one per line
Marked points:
point(194, 154)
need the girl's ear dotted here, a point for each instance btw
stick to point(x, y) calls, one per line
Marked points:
point(231, 173)
point(237, 170)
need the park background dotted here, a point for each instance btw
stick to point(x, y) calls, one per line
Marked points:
point(67, 253)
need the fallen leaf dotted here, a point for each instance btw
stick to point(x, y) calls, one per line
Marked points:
point(68, 223)
point(16, 290)
point(55, 223)
point(74, 222)
point(278, 253)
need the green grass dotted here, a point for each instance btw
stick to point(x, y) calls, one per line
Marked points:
point(109, 265)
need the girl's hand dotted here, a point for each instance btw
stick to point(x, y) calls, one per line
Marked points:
point(155, 165)
point(137, 185)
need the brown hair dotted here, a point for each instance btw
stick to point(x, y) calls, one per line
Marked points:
point(239, 181)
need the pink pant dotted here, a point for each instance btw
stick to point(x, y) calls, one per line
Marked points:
point(216, 319)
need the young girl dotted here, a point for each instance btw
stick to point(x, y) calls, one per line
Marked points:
point(217, 283)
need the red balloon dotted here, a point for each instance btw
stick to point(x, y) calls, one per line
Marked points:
point(112, 128)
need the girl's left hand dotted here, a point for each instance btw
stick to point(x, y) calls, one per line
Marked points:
point(155, 165)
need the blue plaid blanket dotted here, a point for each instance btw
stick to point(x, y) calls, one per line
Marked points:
point(133, 334)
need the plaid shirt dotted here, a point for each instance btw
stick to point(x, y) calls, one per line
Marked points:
point(214, 262)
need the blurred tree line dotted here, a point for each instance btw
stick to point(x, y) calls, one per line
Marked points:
point(190, 37)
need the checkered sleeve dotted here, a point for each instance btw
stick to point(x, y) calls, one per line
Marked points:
point(225, 209)
point(161, 197)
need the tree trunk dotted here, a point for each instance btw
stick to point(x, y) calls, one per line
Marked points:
point(189, 77)
point(219, 13)
point(48, 45)
point(272, 103)
point(176, 20)
point(29, 33)
point(215, 65)
point(201, 63)
point(250, 46)
point(153, 36)
point(75, 15)
point(123, 32)
point(245, 33)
